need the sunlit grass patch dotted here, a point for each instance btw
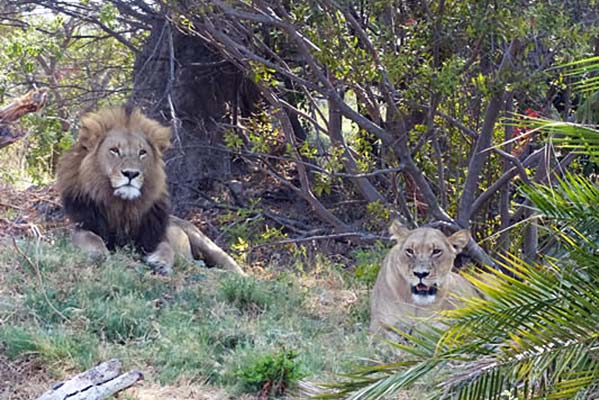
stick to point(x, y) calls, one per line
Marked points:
point(197, 325)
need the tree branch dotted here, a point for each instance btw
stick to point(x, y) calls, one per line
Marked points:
point(479, 155)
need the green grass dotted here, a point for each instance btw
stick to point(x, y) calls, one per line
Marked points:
point(198, 325)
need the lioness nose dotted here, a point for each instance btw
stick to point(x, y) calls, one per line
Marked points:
point(129, 173)
point(422, 274)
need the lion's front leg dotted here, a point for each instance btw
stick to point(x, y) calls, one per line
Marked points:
point(162, 259)
point(90, 243)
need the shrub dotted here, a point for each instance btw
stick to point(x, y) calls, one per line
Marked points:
point(271, 374)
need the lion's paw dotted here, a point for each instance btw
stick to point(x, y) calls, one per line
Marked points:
point(91, 244)
point(159, 265)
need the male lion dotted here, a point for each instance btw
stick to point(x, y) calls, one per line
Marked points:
point(415, 280)
point(113, 186)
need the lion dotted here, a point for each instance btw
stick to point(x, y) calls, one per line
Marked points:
point(113, 187)
point(415, 281)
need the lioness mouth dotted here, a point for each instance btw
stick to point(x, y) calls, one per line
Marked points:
point(423, 290)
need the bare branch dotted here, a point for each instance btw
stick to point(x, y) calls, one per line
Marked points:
point(479, 156)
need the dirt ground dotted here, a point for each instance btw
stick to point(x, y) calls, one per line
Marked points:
point(22, 379)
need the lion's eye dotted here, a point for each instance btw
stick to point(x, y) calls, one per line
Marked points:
point(409, 252)
point(437, 252)
point(142, 152)
point(115, 151)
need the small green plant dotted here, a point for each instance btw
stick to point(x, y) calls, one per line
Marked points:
point(271, 374)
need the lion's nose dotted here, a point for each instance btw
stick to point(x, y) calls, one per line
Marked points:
point(422, 275)
point(130, 173)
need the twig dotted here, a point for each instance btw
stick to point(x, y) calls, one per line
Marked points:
point(7, 205)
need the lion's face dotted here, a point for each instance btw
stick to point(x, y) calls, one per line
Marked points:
point(424, 258)
point(118, 156)
point(124, 157)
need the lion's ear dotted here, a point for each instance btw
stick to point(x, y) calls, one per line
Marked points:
point(90, 131)
point(160, 136)
point(460, 239)
point(398, 231)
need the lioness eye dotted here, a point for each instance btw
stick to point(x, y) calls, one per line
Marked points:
point(142, 153)
point(409, 252)
point(437, 252)
point(115, 151)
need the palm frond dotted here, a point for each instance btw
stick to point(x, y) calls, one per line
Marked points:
point(572, 200)
point(584, 71)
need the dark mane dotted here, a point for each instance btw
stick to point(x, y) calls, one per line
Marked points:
point(144, 236)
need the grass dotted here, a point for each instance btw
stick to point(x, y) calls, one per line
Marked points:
point(200, 325)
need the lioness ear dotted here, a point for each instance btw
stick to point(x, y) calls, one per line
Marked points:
point(90, 131)
point(460, 239)
point(398, 231)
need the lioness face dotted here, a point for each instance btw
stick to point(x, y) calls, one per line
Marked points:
point(124, 156)
point(426, 257)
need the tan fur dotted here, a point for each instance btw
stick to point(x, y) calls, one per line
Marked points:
point(424, 251)
point(110, 142)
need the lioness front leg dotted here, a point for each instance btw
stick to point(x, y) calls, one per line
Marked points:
point(162, 259)
point(90, 243)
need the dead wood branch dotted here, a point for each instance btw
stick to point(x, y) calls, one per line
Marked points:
point(31, 102)
point(97, 383)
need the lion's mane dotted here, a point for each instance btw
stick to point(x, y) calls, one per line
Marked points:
point(88, 197)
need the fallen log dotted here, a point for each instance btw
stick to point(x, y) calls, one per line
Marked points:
point(98, 383)
point(31, 102)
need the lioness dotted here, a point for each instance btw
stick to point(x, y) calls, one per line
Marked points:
point(113, 187)
point(415, 280)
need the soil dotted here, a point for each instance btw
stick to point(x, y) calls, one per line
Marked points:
point(22, 379)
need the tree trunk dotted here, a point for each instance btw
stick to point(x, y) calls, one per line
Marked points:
point(180, 79)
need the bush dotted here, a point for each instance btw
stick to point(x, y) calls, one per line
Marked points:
point(271, 374)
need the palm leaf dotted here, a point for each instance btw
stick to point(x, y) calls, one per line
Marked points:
point(572, 200)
